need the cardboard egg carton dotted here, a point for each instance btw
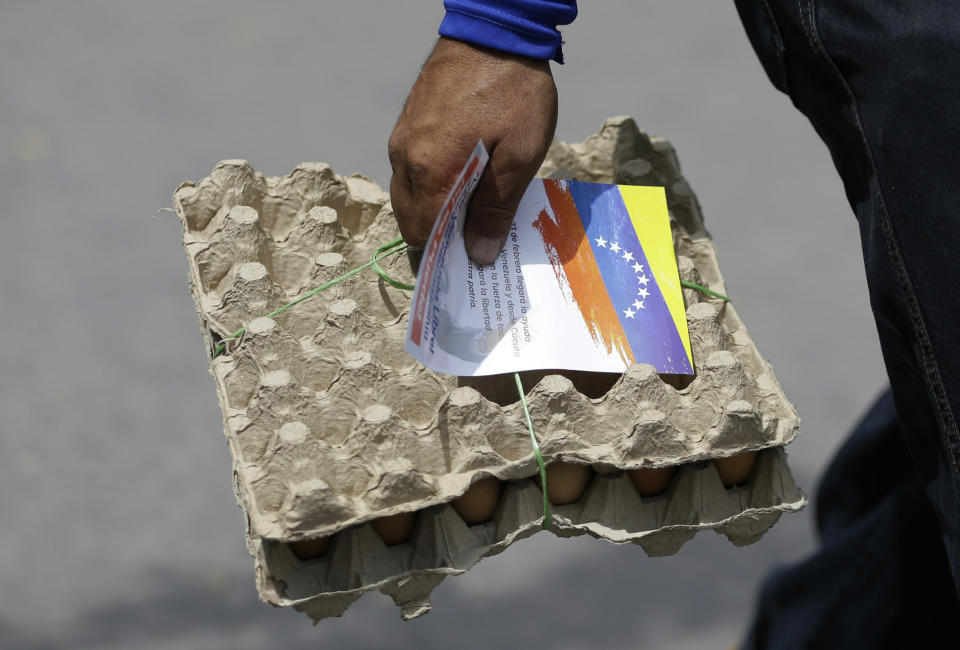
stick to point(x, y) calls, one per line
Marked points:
point(332, 426)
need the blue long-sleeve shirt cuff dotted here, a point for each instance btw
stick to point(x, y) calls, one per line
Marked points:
point(525, 27)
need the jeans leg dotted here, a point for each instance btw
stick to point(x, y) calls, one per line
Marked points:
point(909, 213)
point(880, 577)
point(877, 81)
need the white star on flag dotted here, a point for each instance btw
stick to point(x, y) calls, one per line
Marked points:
point(627, 255)
point(637, 267)
point(642, 306)
point(643, 280)
point(601, 242)
point(628, 312)
point(638, 304)
point(615, 247)
point(643, 292)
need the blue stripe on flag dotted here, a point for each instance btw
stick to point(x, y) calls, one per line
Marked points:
point(640, 305)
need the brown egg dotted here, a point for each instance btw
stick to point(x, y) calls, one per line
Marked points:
point(395, 529)
point(566, 482)
point(479, 502)
point(309, 549)
point(652, 481)
point(735, 470)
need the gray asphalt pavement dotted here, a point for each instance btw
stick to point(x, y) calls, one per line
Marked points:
point(118, 527)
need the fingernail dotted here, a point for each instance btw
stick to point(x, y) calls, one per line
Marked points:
point(485, 250)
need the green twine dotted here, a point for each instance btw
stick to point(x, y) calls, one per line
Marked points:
point(704, 290)
point(536, 452)
point(383, 274)
point(387, 250)
point(397, 246)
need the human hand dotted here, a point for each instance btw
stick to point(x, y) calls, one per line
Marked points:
point(466, 93)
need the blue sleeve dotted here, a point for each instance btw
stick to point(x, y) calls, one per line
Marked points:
point(527, 27)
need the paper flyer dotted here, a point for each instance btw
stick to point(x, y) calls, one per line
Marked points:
point(587, 280)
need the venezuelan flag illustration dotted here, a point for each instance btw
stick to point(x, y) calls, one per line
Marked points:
point(611, 247)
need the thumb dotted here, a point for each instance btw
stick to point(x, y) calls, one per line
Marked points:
point(494, 205)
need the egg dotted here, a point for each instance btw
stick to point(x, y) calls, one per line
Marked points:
point(652, 481)
point(735, 470)
point(395, 529)
point(566, 482)
point(309, 549)
point(479, 502)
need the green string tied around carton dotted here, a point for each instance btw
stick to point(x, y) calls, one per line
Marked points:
point(387, 249)
point(397, 246)
point(536, 452)
point(709, 292)
point(380, 254)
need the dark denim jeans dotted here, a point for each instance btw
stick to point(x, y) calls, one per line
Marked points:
point(880, 82)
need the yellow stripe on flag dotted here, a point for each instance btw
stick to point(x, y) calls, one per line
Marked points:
point(647, 207)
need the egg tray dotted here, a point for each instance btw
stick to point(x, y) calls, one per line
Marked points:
point(331, 424)
point(357, 559)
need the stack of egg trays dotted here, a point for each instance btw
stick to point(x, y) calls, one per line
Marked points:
point(331, 424)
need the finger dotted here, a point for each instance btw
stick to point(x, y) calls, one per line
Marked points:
point(494, 203)
point(431, 172)
point(401, 199)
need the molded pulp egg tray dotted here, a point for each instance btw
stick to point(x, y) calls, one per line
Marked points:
point(332, 425)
